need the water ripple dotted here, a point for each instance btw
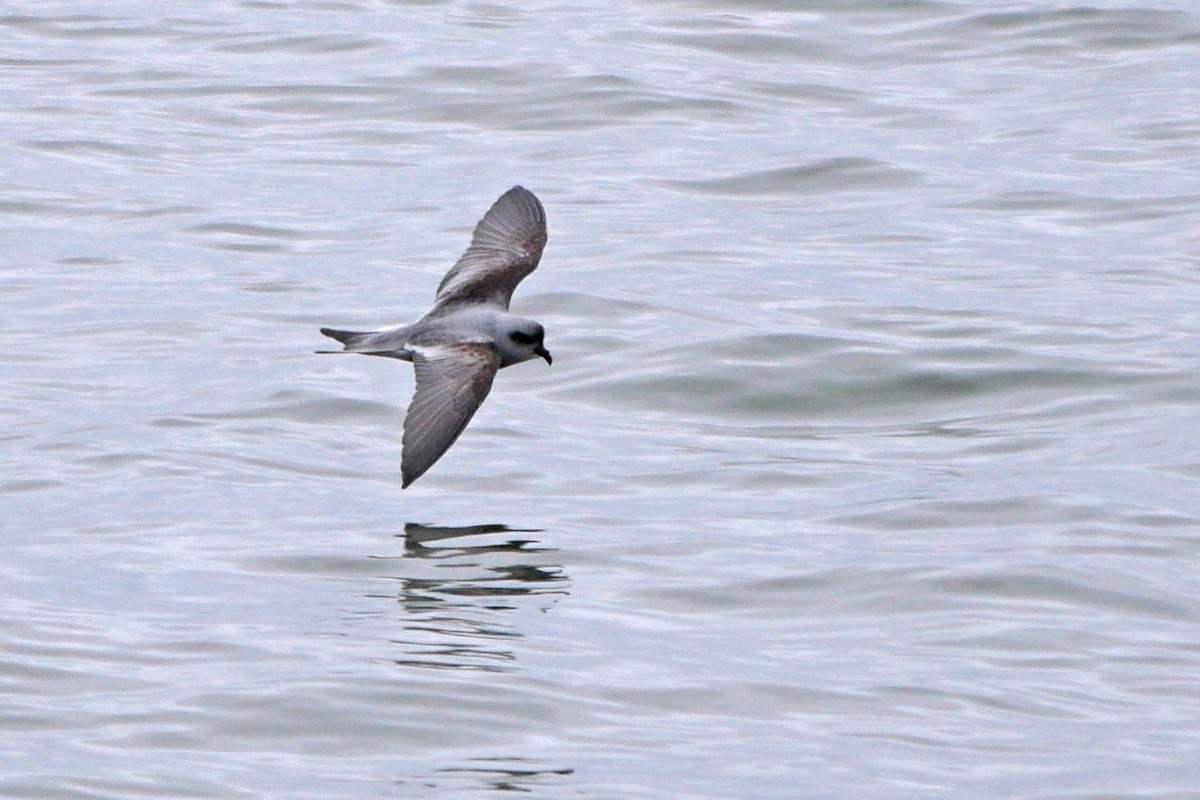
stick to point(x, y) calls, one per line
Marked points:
point(831, 175)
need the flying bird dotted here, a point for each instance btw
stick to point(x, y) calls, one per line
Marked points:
point(459, 345)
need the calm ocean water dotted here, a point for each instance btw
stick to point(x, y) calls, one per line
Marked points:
point(867, 466)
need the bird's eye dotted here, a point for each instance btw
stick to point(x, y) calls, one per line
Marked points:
point(522, 338)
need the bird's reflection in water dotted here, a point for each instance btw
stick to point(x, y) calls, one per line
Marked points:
point(509, 775)
point(465, 600)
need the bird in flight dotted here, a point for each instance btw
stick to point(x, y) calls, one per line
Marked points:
point(459, 345)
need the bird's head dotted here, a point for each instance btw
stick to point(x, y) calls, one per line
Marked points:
point(523, 340)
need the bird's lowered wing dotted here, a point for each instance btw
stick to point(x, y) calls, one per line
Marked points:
point(452, 382)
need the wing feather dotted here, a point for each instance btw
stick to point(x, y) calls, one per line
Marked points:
point(505, 248)
point(452, 382)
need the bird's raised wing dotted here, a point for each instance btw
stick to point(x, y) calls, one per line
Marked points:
point(506, 247)
point(452, 382)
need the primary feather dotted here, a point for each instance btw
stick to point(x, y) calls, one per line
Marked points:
point(505, 248)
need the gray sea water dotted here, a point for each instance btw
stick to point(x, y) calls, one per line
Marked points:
point(868, 466)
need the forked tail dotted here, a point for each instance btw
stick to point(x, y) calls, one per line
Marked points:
point(388, 342)
point(350, 339)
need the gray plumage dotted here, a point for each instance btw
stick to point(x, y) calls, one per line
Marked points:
point(459, 345)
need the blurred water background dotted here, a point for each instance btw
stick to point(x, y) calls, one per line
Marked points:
point(868, 465)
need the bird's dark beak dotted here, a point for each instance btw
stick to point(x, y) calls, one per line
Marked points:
point(544, 353)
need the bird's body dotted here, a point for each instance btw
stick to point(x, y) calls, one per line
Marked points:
point(458, 346)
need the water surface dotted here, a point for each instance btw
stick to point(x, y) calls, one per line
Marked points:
point(866, 466)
